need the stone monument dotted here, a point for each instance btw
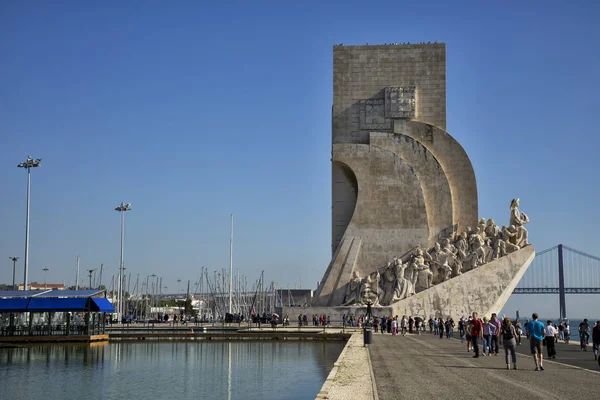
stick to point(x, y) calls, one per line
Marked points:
point(405, 228)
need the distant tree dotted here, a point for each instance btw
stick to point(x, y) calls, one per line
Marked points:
point(189, 310)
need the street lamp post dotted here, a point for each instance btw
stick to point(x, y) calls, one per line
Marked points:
point(122, 208)
point(29, 163)
point(45, 275)
point(14, 260)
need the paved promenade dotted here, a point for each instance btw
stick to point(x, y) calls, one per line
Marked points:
point(425, 367)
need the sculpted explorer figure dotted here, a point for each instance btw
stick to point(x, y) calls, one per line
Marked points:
point(402, 286)
point(368, 291)
point(388, 283)
point(353, 290)
point(519, 219)
point(424, 275)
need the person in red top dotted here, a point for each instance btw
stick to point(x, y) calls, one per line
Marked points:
point(476, 333)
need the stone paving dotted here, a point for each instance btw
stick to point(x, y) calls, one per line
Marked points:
point(425, 367)
point(351, 376)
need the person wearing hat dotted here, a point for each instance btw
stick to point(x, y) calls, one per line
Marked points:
point(551, 336)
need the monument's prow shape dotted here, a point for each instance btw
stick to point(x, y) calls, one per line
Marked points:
point(402, 185)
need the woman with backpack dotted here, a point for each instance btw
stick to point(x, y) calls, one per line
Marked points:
point(508, 338)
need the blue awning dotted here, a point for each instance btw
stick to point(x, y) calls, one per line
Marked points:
point(13, 305)
point(101, 304)
point(42, 304)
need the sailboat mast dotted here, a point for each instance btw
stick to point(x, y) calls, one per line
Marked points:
point(231, 263)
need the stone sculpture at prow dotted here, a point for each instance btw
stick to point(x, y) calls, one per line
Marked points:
point(405, 230)
point(450, 257)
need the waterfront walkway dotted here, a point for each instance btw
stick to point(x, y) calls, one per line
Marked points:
point(425, 367)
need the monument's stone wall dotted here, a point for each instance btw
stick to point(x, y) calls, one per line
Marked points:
point(372, 87)
point(398, 179)
point(362, 73)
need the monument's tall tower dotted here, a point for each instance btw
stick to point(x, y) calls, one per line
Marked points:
point(398, 179)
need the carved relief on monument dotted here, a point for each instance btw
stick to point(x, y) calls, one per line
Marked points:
point(372, 115)
point(400, 102)
point(452, 256)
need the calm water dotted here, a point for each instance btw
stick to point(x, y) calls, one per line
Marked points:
point(171, 370)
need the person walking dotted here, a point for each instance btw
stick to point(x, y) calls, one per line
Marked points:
point(519, 331)
point(394, 326)
point(497, 324)
point(449, 325)
point(550, 338)
point(476, 333)
point(403, 325)
point(468, 334)
point(441, 327)
point(561, 331)
point(461, 328)
point(596, 340)
point(508, 338)
point(383, 325)
point(535, 332)
point(488, 330)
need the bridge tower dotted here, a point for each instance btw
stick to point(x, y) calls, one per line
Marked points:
point(561, 284)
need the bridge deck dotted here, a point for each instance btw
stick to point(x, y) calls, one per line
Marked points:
point(415, 367)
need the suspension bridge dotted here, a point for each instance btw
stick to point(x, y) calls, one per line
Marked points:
point(561, 270)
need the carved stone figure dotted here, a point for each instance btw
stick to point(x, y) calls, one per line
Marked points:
point(481, 225)
point(439, 265)
point(452, 258)
point(403, 285)
point(353, 290)
point(518, 219)
point(388, 282)
point(424, 275)
point(492, 232)
point(368, 292)
point(462, 252)
point(437, 259)
point(509, 237)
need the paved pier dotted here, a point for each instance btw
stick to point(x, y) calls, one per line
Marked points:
point(425, 367)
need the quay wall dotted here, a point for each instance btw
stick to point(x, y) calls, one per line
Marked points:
point(352, 374)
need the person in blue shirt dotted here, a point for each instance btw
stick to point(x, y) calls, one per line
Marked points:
point(535, 333)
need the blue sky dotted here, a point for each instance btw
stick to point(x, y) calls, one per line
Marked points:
point(194, 110)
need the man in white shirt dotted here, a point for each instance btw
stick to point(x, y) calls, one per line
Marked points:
point(551, 335)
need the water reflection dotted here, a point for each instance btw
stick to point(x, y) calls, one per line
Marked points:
point(186, 369)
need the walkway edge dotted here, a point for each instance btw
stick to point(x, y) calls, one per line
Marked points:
point(375, 395)
point(348, 378)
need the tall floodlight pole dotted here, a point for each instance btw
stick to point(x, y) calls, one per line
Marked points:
point(45, 275)
point(14, 260)
point(29, 163)
point(90, 271)
point(122, 208)
point(231, 264)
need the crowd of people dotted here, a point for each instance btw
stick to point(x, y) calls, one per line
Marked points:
point(493, 333)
